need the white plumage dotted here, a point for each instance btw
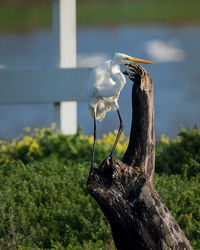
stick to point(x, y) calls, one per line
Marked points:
point(104, 87)
point(105, 83)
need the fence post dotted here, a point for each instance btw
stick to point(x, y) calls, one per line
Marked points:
point(64, 35)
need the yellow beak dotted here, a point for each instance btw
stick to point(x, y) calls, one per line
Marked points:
point(137, 60)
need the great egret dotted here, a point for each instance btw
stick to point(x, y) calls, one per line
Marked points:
point(104, 86)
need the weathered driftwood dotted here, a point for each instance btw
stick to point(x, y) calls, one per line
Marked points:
point(138, 217)
point(141, 148)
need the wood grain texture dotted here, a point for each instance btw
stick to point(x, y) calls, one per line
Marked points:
point(141, 149)
point(138, 217)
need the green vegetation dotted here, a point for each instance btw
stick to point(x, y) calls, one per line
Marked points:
point(46, 205)
point(20, 16)
point(44, 199)
point(44, 143)
point(25, 15)
point(182, 197)
point(179, 156)
point(134, 12)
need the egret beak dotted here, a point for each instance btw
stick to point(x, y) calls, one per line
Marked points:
point(137, 60)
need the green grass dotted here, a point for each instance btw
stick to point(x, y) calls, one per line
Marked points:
point(26, 16)
point(44, 202)
point(139, 12)
point(45, 205)
point(23, 17)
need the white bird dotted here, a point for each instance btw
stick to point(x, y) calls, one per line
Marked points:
point(105, 84)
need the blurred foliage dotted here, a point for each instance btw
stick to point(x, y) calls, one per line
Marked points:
point(173, 156)
point(138, 12)
point(46, 142)
point(44, 199)
point(20, 16)
point(182, 197)
point(180, 155)
point(23, 15)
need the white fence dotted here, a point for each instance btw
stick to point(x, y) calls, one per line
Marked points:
point(62, 85)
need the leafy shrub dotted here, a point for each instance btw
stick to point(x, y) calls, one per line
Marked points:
point(182, 198)
point(175, 156)
point(46, 142)
point(46, 203)
point(179, 156)
point(44, 199)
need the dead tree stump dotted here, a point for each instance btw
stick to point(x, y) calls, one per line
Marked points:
point(138, 217)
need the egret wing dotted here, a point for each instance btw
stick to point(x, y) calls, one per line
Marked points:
point(110, 87)
point(103, 83)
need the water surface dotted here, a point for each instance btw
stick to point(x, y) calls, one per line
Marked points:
point(175, 75)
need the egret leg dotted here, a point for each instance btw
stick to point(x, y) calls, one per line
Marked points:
point(116, 140)
point(93, 151)
point(118, 134)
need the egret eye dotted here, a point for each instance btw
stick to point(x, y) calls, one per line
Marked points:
point(126, 59)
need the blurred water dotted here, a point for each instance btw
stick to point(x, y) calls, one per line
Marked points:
point(176, 74)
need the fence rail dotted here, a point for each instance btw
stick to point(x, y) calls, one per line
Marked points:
point(43, 85)
point(62, 85)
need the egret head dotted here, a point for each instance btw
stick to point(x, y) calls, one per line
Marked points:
point(120, 58)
